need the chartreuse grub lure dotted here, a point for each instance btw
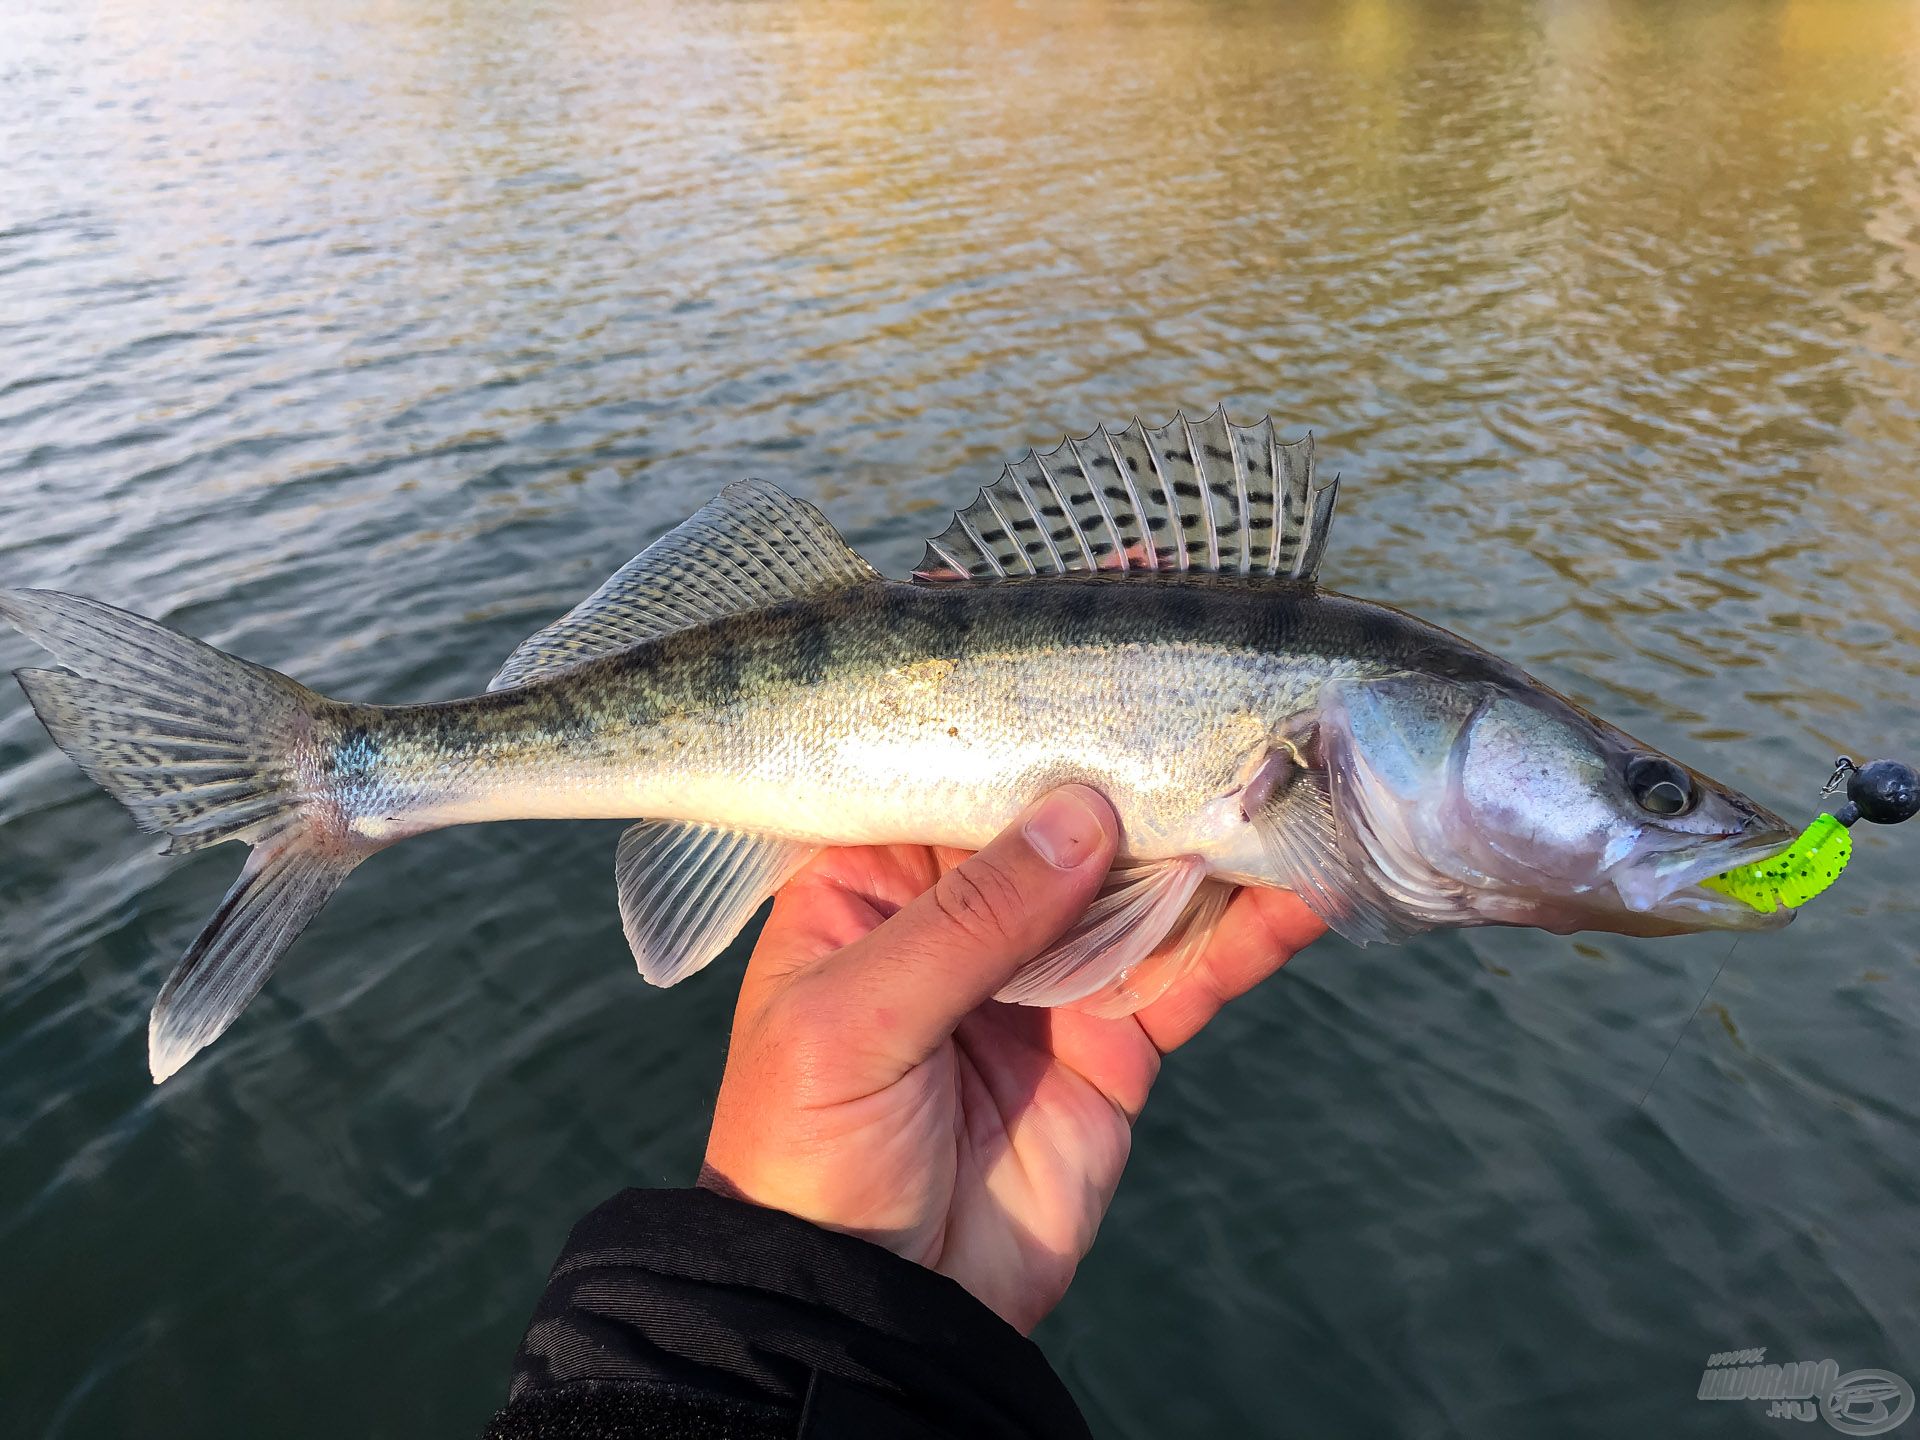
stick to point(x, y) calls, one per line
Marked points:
point(1884, 792)
point(1795, 875)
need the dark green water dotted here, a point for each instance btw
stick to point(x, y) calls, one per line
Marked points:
point(362, 339)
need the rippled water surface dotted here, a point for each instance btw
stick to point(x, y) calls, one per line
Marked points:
point(361, 339)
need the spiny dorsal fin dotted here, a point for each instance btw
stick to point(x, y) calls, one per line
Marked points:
point(1205, 495)
point(751, 545)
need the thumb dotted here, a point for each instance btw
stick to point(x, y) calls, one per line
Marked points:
point(942, 956)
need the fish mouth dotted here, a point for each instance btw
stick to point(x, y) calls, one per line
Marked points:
point(1669, 889)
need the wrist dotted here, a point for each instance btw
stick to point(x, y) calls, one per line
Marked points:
point(712, 1179)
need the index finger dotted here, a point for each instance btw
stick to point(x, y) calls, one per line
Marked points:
point(1260, 932)
point(836, 898)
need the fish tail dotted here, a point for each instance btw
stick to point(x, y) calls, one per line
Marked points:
point(203, 747)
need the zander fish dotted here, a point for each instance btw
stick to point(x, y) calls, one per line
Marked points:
point(1137, 610)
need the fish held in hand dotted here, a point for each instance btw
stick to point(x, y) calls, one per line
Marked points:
point(1136, 610)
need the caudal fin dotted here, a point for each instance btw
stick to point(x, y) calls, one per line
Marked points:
point(204, 747)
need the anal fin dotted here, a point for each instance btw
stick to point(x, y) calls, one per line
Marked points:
point(687, 889)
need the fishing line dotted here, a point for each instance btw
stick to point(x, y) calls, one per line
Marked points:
point(1885, 792)
point(1689, 1025)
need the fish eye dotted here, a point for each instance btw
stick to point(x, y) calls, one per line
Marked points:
point(1659, 786)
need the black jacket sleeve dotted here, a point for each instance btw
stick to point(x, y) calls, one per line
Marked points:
point(684, 1313)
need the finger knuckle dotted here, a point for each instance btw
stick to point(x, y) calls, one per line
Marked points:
point(981, 901)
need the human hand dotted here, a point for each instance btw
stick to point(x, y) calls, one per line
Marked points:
point(874, 1087)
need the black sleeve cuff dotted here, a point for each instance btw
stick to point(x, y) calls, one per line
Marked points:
point(685, 1312)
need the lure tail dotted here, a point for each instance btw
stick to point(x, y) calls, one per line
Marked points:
point(204, 747)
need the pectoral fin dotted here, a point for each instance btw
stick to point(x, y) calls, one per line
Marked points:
point(1289, 803)
point(1140, 907)
point(1176, 953)
point(686, 890)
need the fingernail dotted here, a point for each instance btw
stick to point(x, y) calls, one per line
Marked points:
point(1064, 828)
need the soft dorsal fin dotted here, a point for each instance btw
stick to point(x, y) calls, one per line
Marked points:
point(1205, 495)
point(751, 545)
